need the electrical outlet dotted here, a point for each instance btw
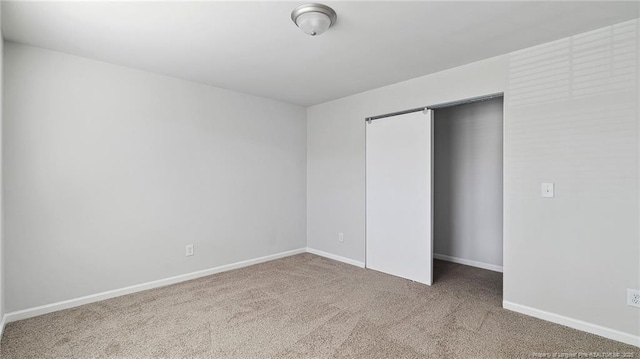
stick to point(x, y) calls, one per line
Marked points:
point(189, 250)
point(633, 297)
point(340, 237)
point(547, 190)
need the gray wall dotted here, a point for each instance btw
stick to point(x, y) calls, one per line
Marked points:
point(110, 172)
point(564, 123)
point(2, 276)
point(468, 181)
point(577, 128)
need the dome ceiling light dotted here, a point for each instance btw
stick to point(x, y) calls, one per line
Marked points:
point(313, 19)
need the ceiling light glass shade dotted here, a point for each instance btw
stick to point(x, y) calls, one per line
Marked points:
point(313, 23)
point(313, 19)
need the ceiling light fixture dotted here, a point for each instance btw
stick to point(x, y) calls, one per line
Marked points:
point(313, 19)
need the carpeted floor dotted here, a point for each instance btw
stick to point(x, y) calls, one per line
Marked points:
point(304, 306)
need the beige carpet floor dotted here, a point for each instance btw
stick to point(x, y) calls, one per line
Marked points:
point(304, 306)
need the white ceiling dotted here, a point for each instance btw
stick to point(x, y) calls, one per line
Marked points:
point(254, 47)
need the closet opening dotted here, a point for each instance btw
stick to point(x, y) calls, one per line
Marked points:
point(468, 189)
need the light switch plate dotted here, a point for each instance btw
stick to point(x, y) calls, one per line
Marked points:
point(547, 190)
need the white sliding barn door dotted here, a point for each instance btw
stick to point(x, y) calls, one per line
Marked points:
point(399, 196)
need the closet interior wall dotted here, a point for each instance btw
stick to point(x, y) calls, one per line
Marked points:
point(468, 183)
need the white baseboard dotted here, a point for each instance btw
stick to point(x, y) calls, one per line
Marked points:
point(71, 303)
point(335, 257)
point(468, 262)
point(2, 324)
point(574, 323)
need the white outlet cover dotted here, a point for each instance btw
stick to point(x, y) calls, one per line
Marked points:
point(189, 250)
point(547, 190)
point(340, 237)
point(633, 297)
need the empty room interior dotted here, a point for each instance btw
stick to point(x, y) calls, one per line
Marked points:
point(279, 179)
